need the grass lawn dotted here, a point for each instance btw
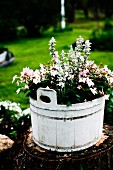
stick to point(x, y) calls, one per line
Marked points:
point(32, 52)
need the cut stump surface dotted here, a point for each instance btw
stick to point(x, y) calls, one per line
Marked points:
point(99, 156)
point(26, 155)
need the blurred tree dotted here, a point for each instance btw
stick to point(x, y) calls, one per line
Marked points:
point(83, 4)
point(70, 6)
point(107, 8)
point(8, 21)
point(37, 15)
point(98, 6)
point(95, 8)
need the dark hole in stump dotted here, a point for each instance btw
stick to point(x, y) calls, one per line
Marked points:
point(45, 99)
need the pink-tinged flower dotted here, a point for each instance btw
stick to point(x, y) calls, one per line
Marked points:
point(106, 70)
point(37, 76)
point(101, 92)
point(84, 72)
point(89, 63)
point(36, 73)
point(79, 87)
point(94, 66)
point(99, 75)
point(98, 72)
point(55, 59)
point(27, 72)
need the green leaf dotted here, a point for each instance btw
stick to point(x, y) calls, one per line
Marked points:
point(68, 104)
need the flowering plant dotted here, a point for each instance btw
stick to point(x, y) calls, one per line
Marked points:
point(72, 75)
point(12, 119)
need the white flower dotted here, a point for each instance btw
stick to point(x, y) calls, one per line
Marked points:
point(11, 106)
point(107, 97)
point(89, 82)
point(87, 48)
point(78, 54)
point(18, 90)
point(18, 82)
point(52, 41)
point(35, 81)
point(37, 72)
point(70, 77)
point(36, 77)
point(41, 66)
point(93, 90)
point(63, 53)
point(79, 87)
point(61, 84)
point(54, 73)
point(26, 86)
point(66, 74)
point(87, 44)
point(80, 40)
point(82, 80)
point(82, 58)
point(106, 70)
point(111, 80)
point(14, 77)
point(47, 87)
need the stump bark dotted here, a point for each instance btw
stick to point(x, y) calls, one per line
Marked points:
point(97, 157)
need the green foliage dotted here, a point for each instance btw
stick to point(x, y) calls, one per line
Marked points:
point(103, 39)
point(59, 29)
point(21, 32)
point(81, 168)
point(109, 109)
point(108, 25)
point(12, 121)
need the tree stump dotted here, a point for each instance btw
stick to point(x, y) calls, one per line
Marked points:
point(97, 157)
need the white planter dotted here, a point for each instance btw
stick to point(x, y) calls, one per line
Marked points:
point(66, 128)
